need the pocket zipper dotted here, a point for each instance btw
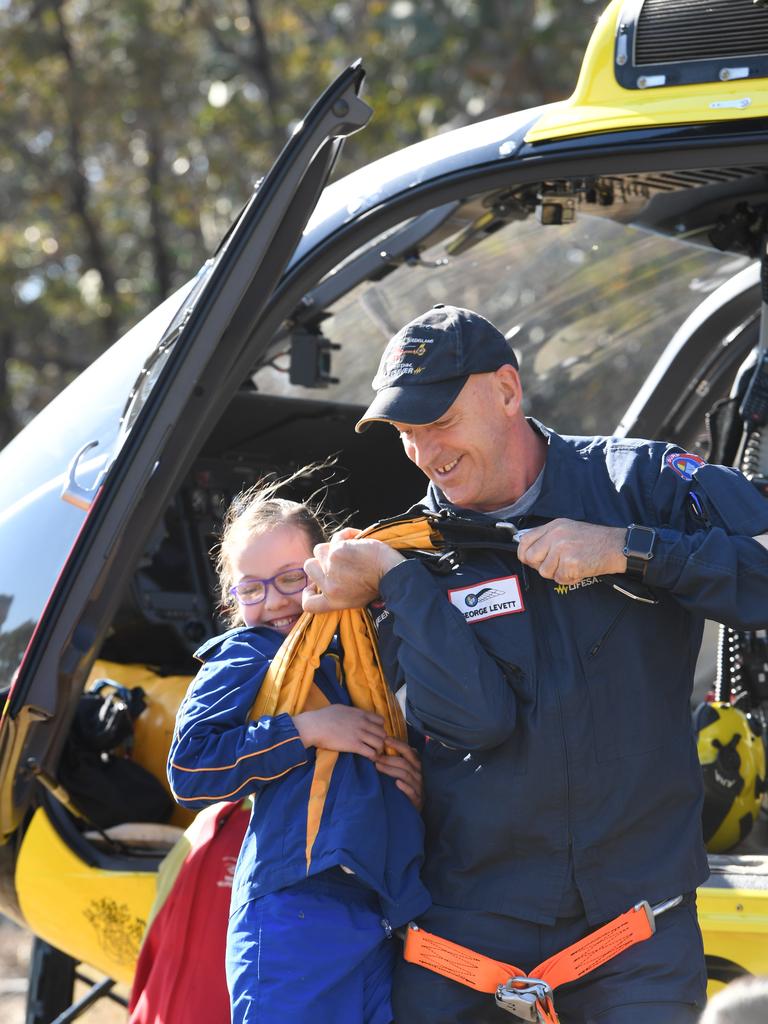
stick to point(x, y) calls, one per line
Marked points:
point(594, 650)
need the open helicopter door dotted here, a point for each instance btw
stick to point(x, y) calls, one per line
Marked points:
point(742, 655)
point(201, 358)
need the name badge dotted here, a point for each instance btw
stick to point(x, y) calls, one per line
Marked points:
point(488, 599)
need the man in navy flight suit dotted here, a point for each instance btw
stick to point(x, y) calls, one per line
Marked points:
point(561, 779)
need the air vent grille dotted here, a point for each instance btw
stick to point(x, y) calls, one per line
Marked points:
point(669, 31)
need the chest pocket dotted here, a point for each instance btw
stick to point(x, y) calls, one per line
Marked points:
point(491, 596)
point(627, 676)
point(493, 603)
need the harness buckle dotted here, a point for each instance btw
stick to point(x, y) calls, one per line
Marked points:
point(521, 997)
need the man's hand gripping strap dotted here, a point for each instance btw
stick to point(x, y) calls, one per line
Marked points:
point(289, 678)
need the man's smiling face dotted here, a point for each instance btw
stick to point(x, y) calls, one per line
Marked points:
point(466, 452)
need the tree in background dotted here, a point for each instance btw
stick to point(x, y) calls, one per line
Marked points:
point(132, 131)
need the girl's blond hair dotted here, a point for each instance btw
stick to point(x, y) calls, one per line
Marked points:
point(257, 510)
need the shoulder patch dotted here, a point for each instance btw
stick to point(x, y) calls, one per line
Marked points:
point(684, 464)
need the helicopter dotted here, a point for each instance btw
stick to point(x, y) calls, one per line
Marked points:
point(617, 238)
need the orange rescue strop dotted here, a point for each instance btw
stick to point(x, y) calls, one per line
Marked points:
point(529, 996)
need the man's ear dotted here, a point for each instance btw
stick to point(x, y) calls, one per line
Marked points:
point(508, 380)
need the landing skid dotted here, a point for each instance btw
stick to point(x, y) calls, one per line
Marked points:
point(52, 978)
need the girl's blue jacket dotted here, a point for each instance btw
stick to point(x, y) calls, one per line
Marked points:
point(367, 824)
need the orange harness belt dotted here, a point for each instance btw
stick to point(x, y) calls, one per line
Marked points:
point(529, 996)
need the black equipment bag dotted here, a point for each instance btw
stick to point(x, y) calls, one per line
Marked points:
point(104, 784)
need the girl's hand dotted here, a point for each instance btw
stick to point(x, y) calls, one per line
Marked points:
point(342, 728)
point(405, 768)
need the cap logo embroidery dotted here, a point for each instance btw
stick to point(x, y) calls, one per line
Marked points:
point(402, 356)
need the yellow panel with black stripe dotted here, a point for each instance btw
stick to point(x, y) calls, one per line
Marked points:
point(75, 890)
point(96, 914)
point(733, 919)
point(652, 63)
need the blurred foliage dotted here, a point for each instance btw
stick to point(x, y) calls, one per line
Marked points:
point(131, 132)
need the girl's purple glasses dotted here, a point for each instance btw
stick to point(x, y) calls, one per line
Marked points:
point(253, 591)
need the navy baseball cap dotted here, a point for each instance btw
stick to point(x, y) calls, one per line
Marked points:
point(427, 363)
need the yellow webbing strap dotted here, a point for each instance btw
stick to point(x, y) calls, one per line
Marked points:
point(289, 677)
point(288, 684)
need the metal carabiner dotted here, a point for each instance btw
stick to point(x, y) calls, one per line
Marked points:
point(521, 996)
point(665, 905)
point(660, 908)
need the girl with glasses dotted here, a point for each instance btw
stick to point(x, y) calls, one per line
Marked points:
point(310, 933)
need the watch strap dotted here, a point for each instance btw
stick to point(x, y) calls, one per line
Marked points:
point(636, 567)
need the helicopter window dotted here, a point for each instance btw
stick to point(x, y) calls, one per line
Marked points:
point(587, 305)
point(31, 479)
point(171, 604)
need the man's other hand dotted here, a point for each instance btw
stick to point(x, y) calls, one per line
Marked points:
point(567, 552)
point(404, 767)
point(346, 572)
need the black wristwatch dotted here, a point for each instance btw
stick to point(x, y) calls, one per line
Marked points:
point(638, 549)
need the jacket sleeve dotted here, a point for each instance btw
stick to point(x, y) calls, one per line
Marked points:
point(706, 553)
point(216, 753)
point(455, 691)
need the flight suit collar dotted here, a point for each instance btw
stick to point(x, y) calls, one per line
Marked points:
point(204, 651)
point(558, 497)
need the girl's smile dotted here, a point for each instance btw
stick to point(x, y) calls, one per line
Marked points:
point(264, 556)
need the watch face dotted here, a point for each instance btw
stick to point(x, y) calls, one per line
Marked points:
point(640, 542)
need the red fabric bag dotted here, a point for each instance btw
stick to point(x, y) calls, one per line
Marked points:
point(180, 971)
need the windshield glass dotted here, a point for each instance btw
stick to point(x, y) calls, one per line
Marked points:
point(37, 528)
point(588, 307)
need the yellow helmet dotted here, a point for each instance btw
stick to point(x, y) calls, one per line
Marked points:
point(732, 757)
